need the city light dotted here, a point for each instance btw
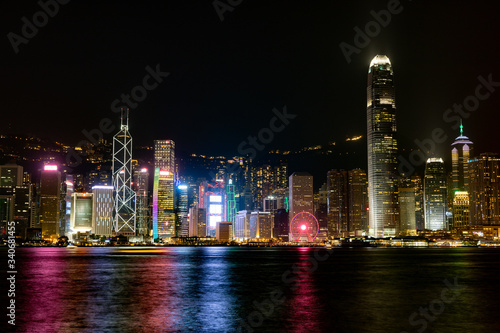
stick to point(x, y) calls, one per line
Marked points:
point(50, 167)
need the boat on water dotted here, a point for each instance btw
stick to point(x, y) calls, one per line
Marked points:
point(71, 246)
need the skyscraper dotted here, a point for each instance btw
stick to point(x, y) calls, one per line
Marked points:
point(197, 222)
point(484, 177)
point(163, 204)
point(82, 212)
point(300, 193)
point(50, 190)
point(164, 190)
point(407, 209)
point(165, 155)
point(461, 211)
point(182, 210)
point(435, 195)
point(124, 219)
point(337, 201)
point(358, 201)
point(260, 225)
point(102, 207)
point(461, 153)
point(142, 186)
point(382, 148)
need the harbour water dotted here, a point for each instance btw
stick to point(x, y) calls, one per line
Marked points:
point(230, 289)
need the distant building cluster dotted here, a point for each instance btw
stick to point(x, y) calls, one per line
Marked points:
point(242, 201)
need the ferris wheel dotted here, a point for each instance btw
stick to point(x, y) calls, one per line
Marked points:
point(304, 227)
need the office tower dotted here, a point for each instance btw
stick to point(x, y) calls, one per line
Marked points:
point(224, 231)
point(321, 212)
point(407, 207)
point(214, 204)
point(358, 202)
point(242, 225)
point(6, 208)
point(142, 209)
point(281, 225)
point(260, 225)
point(165, 155)
point(338, 206)
point(461, 152)
point(50, 191)
point(382, 148)
point(182, 210)
point(81, 212)
point(300, 194)
point(231, 208)
point(461, 212)
point(102, 206)
point(11, 175)
point(22, 209)
point(124, 201)
point(416, 184)
point(197, 222)
point(163, 205)
point(435, 195)
point(484, 178)
point(267, 179)
point(67, 203)
point(164, 190)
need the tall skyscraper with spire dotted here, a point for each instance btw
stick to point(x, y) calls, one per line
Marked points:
point(461, 153)
point(382, 148)
point(124, 218)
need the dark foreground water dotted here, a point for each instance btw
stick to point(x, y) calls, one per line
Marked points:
point(222, 289)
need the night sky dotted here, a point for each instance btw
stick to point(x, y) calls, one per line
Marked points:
point(226, 77)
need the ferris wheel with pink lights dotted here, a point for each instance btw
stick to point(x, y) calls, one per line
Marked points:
point(304, 227)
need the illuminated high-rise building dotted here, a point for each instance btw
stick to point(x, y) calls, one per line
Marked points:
point(358, 201)
point(124, 201)
point(231, 208)
point(300, 194)
point(82, 212)
point(182, 210)
point(338, 204)
point(197, 222)
point(484, 184)
point(461, 153)
point(408, 226)
point(461, 210)
point(163, 205)
point(260, 225)
point(164, 190)
point(70, 189)
point(224, 231)
point(382, 148)
point(102, 206)
point(435, 195)
point(165, 155)
point(242, 225)
point(142, 209)
point(50, 191)
point(268, 179)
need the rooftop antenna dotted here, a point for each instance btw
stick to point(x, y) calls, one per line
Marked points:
point(461, 128)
